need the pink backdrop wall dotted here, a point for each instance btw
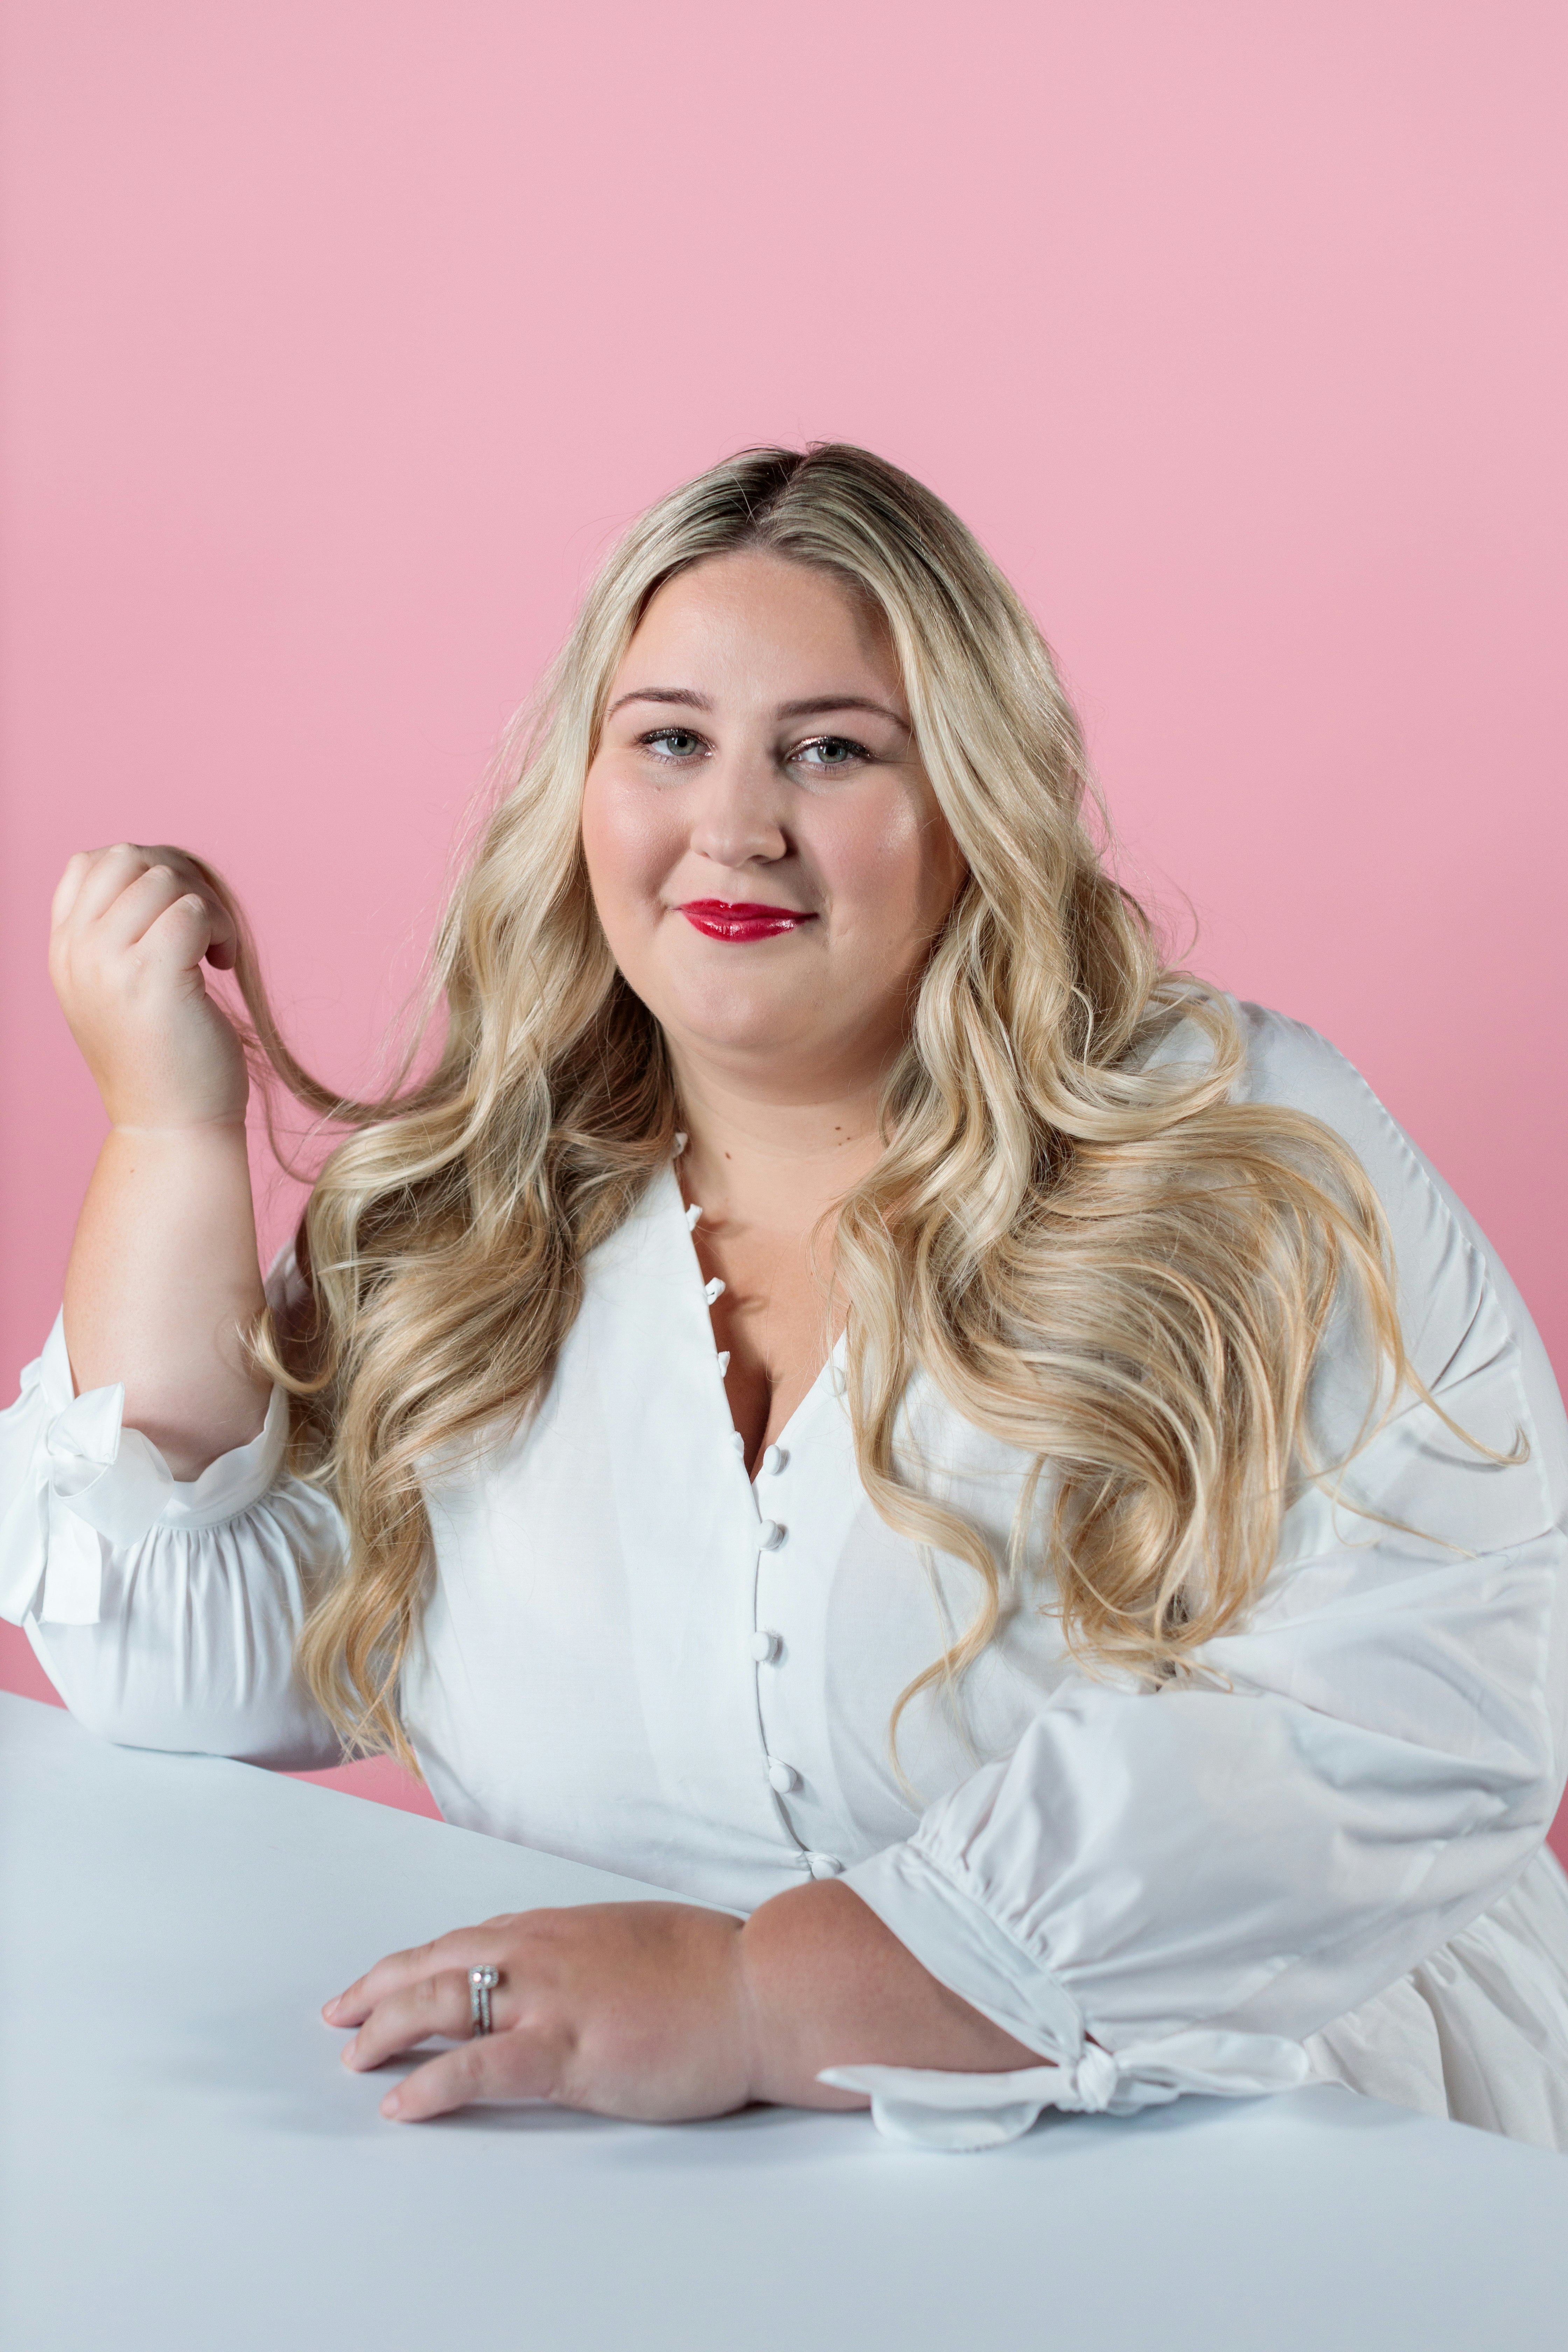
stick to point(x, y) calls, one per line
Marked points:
point(343, 334)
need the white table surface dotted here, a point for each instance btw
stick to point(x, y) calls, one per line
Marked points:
point(186, 2166)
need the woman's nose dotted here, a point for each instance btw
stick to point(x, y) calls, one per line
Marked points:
point(740, 815)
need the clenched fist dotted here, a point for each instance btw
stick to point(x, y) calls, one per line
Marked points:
point(131, 928)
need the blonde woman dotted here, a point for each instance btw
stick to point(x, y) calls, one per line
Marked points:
point(993, 1473)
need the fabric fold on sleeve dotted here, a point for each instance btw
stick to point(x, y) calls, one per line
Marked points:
point(969, 1952)
point(75, 1478)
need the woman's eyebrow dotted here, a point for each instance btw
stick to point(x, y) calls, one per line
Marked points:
point(816, 705)
point(821, 704)
point(683, 694)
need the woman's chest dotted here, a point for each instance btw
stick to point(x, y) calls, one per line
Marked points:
point(774, 1325)
point(638, 1655)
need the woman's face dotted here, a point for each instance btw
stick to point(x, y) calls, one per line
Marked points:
point(764, 849)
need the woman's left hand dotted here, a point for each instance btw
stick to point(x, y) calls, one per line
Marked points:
point(661, 2012)
point(628, 2009)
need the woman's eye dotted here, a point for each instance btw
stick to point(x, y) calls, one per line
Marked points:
point(831, 752)
point(673, 742)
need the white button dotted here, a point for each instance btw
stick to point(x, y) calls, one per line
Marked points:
point(737, 1441)
point(782, 1776)
point(773, 1460)
point(712, 1290)
point(823, 1865)
point(723, 1361)
point(693, 1215)
point(766, 1648)
point(769, 1534)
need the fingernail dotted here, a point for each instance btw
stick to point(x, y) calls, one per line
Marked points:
point(329, 2008)
point(393, 2104)
point(350, 2050)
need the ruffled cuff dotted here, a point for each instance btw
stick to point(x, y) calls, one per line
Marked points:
point(77, 1479)
point(965, 1950)
point(927, 2109)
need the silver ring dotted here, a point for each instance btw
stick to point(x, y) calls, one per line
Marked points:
point(482, 1982)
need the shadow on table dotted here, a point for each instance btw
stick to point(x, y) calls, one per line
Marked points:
point(282, 2063)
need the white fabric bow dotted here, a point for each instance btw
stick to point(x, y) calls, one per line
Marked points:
point(62, 1497)
point(928, 2109)
point(72, 1478)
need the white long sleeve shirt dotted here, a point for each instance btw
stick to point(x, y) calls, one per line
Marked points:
point(1326, 1861)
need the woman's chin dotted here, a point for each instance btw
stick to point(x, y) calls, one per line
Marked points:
point(742, 1025)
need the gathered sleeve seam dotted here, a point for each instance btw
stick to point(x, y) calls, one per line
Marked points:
point(86, 1487)
point(959, 1878)
point(958, 1939)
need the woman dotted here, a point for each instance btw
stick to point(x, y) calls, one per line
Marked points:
point(852, 1393)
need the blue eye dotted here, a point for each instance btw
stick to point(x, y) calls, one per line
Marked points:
point(673, 742)
point(831, 752)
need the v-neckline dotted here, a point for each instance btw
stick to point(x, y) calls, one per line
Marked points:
point(832, 1364)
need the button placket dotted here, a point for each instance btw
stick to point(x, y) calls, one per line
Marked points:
point(766, 1646)
point(712, 1290)
point(767, 1651)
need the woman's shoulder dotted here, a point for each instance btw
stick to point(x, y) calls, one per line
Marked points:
point(1288, 1066)
point(1289, 1063)
point(1451, 1279)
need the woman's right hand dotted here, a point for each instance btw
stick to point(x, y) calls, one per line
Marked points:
point(130, 928)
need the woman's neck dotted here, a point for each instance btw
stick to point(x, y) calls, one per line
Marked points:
point(769, 1165)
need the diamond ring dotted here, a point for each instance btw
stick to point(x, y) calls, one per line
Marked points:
point(482, 1982)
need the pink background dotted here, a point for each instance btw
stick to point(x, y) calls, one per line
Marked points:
point(343, 334)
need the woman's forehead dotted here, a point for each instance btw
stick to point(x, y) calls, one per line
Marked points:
point(752, 619)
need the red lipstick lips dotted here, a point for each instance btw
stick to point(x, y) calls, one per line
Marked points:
point(717, 919)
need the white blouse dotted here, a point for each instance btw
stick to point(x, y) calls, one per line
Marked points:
point(1327, 1860)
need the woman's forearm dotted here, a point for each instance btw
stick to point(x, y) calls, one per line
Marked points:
point(826, 1983)
point(163, 1276)
point(163, 1279)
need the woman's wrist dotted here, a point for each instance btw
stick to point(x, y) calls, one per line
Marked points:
point(780, 1963)
point(822, 1983)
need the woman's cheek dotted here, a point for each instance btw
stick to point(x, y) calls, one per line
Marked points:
point(876, 862)
point(629, 845)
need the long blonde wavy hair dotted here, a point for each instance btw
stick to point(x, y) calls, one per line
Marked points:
point(1117, 1270)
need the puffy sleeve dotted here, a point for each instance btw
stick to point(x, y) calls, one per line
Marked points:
point(1168, 1891)
point(164, 1614)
